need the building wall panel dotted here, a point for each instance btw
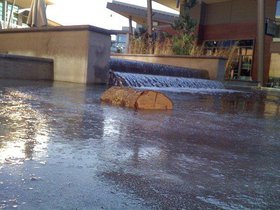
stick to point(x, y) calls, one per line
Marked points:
point(217, 13)
point(275, 65)
point(243, 11)
point(229, 31)
point(237, 20)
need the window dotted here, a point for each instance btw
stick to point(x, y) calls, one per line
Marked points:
point(278, 9)
point(277, 38)
point(15, 11)
point(122, 38)
point(1, 10)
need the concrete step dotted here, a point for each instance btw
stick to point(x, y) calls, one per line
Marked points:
point(25, 67)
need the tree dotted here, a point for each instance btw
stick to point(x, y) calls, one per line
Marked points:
point(185, 26)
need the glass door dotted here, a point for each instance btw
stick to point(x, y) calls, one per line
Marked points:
point(239, 54)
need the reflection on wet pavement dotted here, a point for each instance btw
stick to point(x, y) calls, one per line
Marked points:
point(61, 149)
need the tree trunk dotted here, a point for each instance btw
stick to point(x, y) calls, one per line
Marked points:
point(137, 99)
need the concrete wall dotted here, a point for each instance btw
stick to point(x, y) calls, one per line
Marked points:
point(236, 11)
point(275, 65)
point(214, 65)
point(235, 19)
point(80, 53)
point(25, 68)
point(274, 70)
point(99, 55)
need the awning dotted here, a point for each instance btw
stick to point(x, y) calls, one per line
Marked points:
point(168, 3)
point(173, 3)
point(139, 14)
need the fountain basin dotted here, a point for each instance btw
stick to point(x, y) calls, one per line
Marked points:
point(122, 65)
point(61, 149)
point(214, 65)
point(80, 54)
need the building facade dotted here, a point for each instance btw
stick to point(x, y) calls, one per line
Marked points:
point(228, 24)
point(5, 12)
point(14, 13)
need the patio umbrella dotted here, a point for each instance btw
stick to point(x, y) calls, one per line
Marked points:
point(37, 16)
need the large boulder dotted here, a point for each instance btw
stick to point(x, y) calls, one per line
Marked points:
point(137, 99)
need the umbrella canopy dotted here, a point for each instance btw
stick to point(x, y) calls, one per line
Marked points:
point(37, 16)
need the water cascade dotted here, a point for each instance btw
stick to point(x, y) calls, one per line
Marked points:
point(122, 65)
point(146, 80)
point(150, 75)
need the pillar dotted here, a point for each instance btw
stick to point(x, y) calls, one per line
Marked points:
point(260, 40)
point(130, 25)
point(5, 5)
point(177, 3)
point(149, 17)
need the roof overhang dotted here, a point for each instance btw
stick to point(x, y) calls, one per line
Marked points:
point(173, 3)
point(214, 1)
point(27, 3)
point(139, 14)
point(168, 3)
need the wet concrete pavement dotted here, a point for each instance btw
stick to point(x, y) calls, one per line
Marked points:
point(61, 149)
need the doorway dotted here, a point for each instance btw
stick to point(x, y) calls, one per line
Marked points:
point(240, 57)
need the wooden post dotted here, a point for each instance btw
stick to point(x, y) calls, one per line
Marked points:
point(150, 25)
point(129, 35)
point(149, 17)
point(130, 25)
point(177, 3)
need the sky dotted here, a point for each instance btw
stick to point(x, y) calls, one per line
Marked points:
point(92, 12)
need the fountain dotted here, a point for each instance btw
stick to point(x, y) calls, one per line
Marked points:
point(122, 65)
point(146, 80)
point(148, 75)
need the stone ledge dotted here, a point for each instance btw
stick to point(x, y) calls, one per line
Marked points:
point(58, 28)
point(169, 56)
point(214, 65)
